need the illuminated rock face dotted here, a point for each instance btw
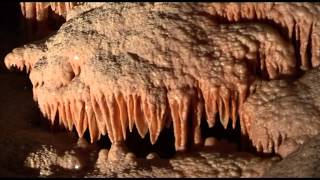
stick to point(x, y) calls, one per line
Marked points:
point(120, 66)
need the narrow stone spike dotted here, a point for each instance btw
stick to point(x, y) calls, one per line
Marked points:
point(115, 118)
point(85, 122)
point(214, 106)
point(242, 124)
point(197, 139)
point(123, 114)
point(176, 122)
point(59, 9)
point(98, 115)
point(315, 38)
point(207, 104)
point(140, 122)
point(30, 16)
point(305, 31)
point(159, 119)
point(106, 117)
point(154, 123)
point(53, 6)
point(283, 137)
point(23, 8)
point(183, 113)
point(276, 141)
point(264, 144)
point(27, 68)
point(146, 112)
point(92, 123)
point(130, 109)
point(162, 117)
point(77, 107)
point(221, 113)
point(234, 109)
point(259, 147)
point(45, 113)
point(61, 112)
point(64, 115)
point(225, 94)
point(243, 89)
point(50, 107)
point(183, 103)
point(68, 114)
point(35, 94)
point(67, 7)
point(47, 108)
point(270, 145)
point(42, 109)
point(82, 118)
point(73, 115)
point(41, 14)
point(62, 121)
point(254, 143)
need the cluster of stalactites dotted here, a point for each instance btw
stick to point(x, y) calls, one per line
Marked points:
point(114, 113)
point(36, 16)
point(300, 21)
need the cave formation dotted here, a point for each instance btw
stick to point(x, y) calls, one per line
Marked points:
point(114, 67)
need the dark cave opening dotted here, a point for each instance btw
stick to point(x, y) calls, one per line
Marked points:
point(165, 148)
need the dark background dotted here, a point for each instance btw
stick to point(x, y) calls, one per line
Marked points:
point(10, 31)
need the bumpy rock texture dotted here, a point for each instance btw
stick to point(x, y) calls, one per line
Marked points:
point(299, 23)
point(115, 67)
point(268, 120)
point(189, 67)
point(302, 163)
point(205, 163)
point(30, 149)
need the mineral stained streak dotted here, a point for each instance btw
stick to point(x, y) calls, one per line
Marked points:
point(150, 65)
